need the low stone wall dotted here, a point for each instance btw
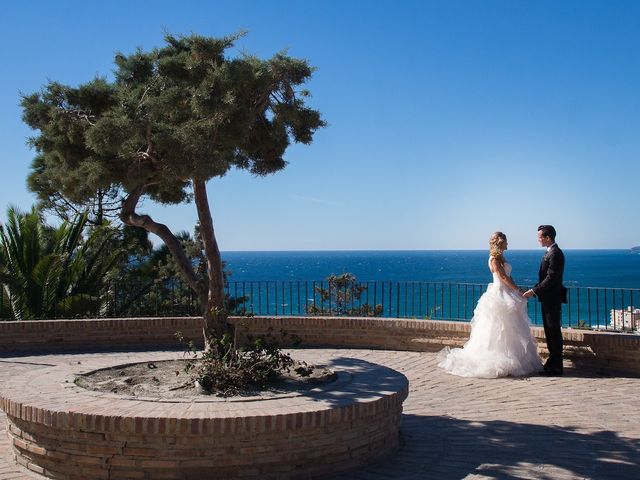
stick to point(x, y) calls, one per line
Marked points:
point(605, 349)
point(610, 350)
point(96, 334)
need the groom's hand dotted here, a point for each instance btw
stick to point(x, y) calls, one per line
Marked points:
point(528, 294)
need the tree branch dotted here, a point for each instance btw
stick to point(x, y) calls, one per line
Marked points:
point(130, 217)
point(144, 94)
point(81, 115)
point(149, 144)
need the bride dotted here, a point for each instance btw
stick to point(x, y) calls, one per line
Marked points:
point(501, 343)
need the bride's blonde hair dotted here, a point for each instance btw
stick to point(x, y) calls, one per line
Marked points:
point(496, 245)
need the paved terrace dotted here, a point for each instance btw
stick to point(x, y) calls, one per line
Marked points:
point(583, 425)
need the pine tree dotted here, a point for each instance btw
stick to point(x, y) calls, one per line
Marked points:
point(172, 119)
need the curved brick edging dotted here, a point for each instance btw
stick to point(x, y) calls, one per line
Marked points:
point(60, 430)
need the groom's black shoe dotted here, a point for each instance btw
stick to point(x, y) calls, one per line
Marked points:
point(552, 372)
point(545, 368)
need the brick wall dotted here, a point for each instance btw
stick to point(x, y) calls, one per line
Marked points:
point(616, 351)
point(96, 334)
point(608, 350)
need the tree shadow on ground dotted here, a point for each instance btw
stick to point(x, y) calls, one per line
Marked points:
point(437, 447)
point(358, 381)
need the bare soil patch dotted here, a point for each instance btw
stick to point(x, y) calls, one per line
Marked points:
point(166, 380)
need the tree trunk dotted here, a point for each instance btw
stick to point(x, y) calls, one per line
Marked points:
point(215, 314)
point(130, 217)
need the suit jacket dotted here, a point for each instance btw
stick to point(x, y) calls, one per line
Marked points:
point(549, 287)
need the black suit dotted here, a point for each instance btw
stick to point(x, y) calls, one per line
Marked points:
point(552, 294)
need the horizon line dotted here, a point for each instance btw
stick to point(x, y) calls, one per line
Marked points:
point(421, 250)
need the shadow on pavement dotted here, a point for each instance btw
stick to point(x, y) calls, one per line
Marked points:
point(435, 447)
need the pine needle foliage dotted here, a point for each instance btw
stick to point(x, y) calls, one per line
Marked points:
point(172, 119)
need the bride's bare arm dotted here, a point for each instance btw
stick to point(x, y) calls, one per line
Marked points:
point(498, 267)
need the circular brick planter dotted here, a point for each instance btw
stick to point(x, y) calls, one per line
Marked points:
point(63, 431)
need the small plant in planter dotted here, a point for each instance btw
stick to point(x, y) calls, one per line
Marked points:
point(226, 369)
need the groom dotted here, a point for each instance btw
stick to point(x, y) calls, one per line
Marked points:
point(551, 295)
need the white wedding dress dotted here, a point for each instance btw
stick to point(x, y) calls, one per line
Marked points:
point(501, 343)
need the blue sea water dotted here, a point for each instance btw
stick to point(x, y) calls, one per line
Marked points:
point(584, 268)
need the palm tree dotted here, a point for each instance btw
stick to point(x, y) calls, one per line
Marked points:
point(53, 272)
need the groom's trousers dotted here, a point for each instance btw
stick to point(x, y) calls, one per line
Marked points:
point(552, 320)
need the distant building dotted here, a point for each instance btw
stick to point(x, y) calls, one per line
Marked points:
point(626, 319)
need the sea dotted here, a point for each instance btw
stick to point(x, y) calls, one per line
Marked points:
point(583, 268)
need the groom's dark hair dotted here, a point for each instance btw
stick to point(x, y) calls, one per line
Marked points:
point(548, 231)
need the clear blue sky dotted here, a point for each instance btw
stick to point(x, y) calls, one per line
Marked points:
point(448, 120)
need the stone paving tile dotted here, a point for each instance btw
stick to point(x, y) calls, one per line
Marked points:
point(584, 425)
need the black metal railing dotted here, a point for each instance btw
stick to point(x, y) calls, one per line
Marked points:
point(587, 307)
